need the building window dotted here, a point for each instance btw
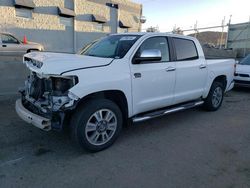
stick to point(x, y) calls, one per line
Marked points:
point(66, 21)
point(98, 27)
point(24, 13)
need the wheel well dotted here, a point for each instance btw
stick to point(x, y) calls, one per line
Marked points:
point(222, 79)
point(116, 96)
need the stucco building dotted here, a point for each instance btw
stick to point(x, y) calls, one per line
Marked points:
point(67, 25)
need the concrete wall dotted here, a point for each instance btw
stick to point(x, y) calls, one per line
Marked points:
point(45, 27)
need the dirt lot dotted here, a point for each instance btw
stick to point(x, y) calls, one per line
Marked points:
point(188, 149)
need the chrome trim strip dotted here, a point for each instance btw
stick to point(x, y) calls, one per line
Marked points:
point(199, 103)
point(141, 119)
point(174, 110)
point(180, 108)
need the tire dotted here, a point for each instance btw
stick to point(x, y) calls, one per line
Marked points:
point(215, 97)
point(96, 125)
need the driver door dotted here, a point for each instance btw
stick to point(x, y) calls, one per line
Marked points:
point(153, 82)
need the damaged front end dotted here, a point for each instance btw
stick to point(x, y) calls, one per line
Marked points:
point(49, 98)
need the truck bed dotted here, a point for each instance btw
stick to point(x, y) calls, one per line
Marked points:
point(213, 53)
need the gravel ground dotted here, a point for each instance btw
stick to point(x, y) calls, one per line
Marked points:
point(188, 149)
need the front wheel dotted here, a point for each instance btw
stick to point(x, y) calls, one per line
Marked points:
point(215, 97)
point(97, 124)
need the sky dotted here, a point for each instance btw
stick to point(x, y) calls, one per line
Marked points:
point(185, 13)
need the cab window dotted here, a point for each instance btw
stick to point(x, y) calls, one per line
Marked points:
point(185, 49)
point(158, 43)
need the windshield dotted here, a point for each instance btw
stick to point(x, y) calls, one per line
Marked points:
point(114, 46)
point(86, 47)
point(246, 60)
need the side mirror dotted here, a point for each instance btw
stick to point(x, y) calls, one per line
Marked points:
point(148, 55)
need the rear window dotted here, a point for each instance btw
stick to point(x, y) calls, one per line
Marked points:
point(185, 49)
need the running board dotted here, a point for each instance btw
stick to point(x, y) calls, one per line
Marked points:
point(163, 112)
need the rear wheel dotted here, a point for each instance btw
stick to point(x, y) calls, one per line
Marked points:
point(97, 124)
point(215, 97)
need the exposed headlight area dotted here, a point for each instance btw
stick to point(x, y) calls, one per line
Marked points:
point(60, 91)
point(61, 85)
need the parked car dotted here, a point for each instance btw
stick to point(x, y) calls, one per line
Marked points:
point(242, 72)
point(122, 77)
point(11, 46)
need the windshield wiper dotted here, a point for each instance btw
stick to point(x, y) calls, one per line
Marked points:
point(98, 56)
point(91, 55)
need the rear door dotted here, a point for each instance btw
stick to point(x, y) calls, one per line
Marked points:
point(153, 81)
point(191, 71)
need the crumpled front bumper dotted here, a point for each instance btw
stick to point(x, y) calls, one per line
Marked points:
point(34, 119)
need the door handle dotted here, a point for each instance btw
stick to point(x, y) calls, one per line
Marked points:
point(202, 66)
point(4, 45)
point(137, 75)
point(169, 69)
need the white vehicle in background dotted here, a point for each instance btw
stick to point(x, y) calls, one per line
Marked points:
point(242, 72)
point(132, 76)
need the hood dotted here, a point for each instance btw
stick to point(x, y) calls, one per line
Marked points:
point(243, 69)
point(58, 63)
point(33, 43)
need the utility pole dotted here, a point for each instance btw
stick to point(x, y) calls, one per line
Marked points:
point(74, 27)
point(174, 28)
point(222, 33)
point(228, 27)
point(195, 29)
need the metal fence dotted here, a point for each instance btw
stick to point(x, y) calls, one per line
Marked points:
point(239, 38)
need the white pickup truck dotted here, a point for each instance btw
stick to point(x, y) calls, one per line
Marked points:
point(120, 78)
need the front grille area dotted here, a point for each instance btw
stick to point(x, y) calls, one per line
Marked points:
point(38, 86)
point(242, 82)
point(242, 75)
